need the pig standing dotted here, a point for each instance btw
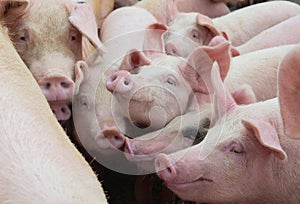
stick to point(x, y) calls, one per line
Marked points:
point(38, 162)
point(48, 34)
point(189, 30)
point(245, 157)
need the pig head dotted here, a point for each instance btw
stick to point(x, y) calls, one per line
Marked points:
point(48, 36)
point(245, 144)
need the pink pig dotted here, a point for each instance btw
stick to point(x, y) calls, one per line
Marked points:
point(48, 35)
point(38, 162)
point(245, 157)
point(189, 30)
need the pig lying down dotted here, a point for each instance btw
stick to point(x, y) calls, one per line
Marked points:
point(38, 162)
point(245, 157)
point(48, 35)
point(189, 30)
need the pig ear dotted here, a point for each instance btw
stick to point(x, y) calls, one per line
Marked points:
point(219, 49)
point(223, 101)
point(134, 59)
point(153, 41)
point(81, 69)
point(234, 51)
point(12, 9)
point(289, 93)
point(197, 68)
point(244, 95)
point(172, 11)
point(82, 17)
point(206, 22)
point(266, 135)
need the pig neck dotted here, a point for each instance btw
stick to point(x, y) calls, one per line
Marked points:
point(283, 178)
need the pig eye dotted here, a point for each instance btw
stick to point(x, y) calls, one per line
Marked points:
point(236, 149)
point(171, 80)
point(195, 35)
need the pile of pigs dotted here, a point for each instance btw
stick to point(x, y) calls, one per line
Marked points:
point(152, 101)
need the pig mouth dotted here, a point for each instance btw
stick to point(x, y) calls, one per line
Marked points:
point(131, 156)
point(67, 101)
point(189, 184)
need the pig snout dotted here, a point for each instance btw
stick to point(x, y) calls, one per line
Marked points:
point(171, 49)
point(61, 111)
point(120, 82)
point(164, 168)
point(57, 88)
point(114, 136)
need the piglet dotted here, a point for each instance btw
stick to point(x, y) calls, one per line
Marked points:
point(38, 162)
point(245, 157)
point(189, 30)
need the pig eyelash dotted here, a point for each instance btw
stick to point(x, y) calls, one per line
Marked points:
point(171, 80)
point(236, 150)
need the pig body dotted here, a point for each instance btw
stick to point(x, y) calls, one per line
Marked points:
point(125, 20)
point(38, 161)
point(189, 30)
point(161, 8)
point(101, 9)
point(246, 144)
point(45, 30)
point(282, 33)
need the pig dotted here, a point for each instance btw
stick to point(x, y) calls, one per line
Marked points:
point(189, 30)
point(38, 162)
point(288, 92)
point(282, 33)
point(51, 29)
point(121, 3)
point(230, 165)
point(164, 9)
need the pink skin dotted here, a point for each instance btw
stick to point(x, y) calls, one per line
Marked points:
point(283, 33)
point(164, 10)
point(35, 149)
point(288, 92)
point(245, 144)
point(39, 40)
point(189, 30)
point(124, 20)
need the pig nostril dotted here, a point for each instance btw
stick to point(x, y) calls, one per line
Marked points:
point(116, 137)
point(63, 110)
point(169, 170)
point(64, 84)
point(53, 111)
point(47, 85)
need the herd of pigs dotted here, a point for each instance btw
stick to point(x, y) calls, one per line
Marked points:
point(204, 99)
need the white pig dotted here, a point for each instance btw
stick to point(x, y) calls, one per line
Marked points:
point(245, 157)
point(48, 35)
point(189, 30)
point(38, 162)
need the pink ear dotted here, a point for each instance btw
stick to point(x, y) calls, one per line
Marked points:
point(153, 42)
point(223, 101)
point(289, 92)
point(172, 11)
point(13, 9)
point(205, 21)
point(219, 50)
point(133, 60)
point(244, 95)
point(80, 68)
point(266, 135)
point(82, 17)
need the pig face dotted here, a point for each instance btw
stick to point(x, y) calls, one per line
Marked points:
point(48, 37)
point(188, 31)
point(233, 158)
point(145, 95)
